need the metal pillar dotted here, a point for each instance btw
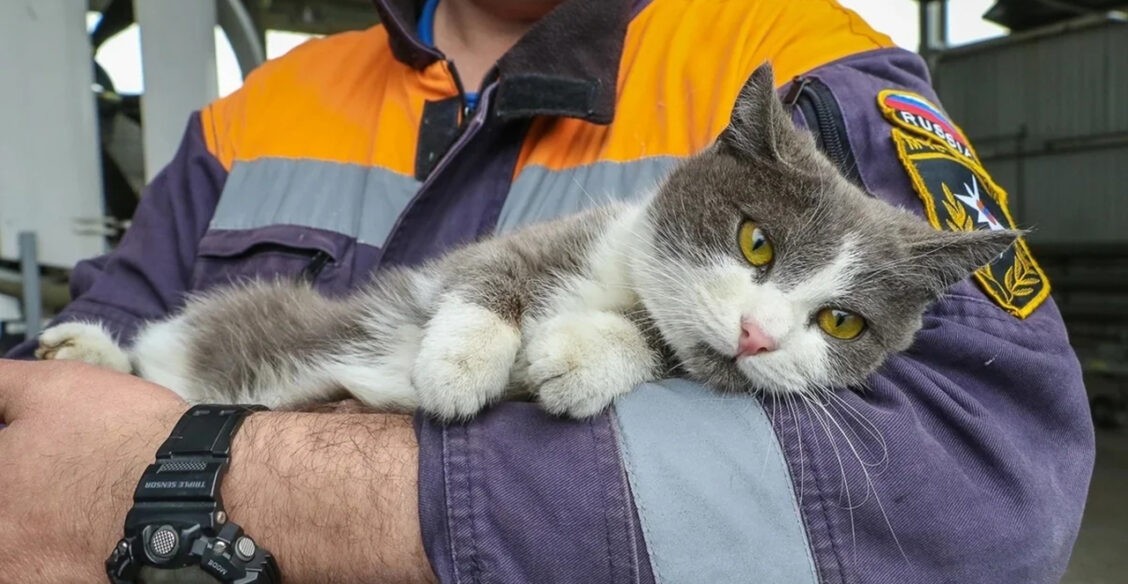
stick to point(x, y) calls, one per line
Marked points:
point(178, 62)
point(50, 176)
point(248, 40)
point(933, 26)
point(29, 272)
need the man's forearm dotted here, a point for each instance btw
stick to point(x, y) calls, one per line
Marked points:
point(333, 496)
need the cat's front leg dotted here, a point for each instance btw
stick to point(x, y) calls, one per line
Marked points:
point(465, 358)
point(83, 341)
point(578, 363)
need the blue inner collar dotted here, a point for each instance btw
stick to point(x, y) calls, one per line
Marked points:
point(425, 30)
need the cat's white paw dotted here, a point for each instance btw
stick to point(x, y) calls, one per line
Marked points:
point(464, 360)
point(579, 363)
point(81, 341)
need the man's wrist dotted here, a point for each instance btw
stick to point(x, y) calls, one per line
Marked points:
point(137, 449)
point(330, 494)
point(178, 518)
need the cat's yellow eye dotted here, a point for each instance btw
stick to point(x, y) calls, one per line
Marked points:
point(840, 324)
point(754, 244)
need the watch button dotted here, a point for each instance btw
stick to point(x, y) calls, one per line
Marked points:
point(163, 542)
point(245, 548)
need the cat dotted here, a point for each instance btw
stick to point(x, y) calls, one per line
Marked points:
point(755, 266)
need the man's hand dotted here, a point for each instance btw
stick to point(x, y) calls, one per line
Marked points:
point(332, 495)
point(77, 440)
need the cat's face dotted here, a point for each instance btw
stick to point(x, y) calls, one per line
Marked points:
point(765, 269)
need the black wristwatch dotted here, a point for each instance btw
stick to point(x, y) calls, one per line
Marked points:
point(178, 520)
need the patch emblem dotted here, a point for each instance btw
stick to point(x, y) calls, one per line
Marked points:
point(959, 195)
point(919, 116)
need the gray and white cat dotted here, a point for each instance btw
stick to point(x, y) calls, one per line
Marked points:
point(755, 267)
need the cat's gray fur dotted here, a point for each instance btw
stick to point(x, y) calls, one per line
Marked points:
point(581, 309)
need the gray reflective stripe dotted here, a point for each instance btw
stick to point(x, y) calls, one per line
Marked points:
point(358, 201)
point(712, 489)
point(539, 194)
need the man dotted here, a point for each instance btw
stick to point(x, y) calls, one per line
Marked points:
point(967, 459)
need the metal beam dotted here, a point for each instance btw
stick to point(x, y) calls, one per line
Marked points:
point(933, 26)
point(29, 271)
point(178, 62)
point(50, 175)
point(248, 41)
point(318, 16)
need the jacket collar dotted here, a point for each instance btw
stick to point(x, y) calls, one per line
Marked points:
point(566, 65)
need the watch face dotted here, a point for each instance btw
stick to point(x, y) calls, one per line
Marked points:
point(189, 575)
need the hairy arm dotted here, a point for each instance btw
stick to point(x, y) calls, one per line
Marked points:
point(332, 495)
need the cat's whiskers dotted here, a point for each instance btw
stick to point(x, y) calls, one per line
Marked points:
point(916, 259)
point(869, 427)
point(822, 415)
point(869, 482)
point(818, 415)
point(713, 320)
point(591, 198)
point(672, 282)
point(799, 438)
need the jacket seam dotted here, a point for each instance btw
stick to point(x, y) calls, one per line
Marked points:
point(448, 493)
point(852, 25)
point(628, 467)
point(606, 508)
point(634, 571)
point(799, 521)
point(475, 556)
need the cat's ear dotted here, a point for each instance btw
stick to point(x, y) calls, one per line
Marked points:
point(942, 258)
point(760, 126)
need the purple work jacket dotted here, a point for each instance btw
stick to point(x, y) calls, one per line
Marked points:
point(967, 458)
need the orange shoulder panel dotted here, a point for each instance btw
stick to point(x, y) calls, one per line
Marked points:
point(683, 64)
point(344, 98)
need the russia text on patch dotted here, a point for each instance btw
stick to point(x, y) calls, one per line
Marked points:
point(920, 116)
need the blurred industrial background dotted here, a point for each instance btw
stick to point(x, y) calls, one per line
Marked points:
point(1040, 86)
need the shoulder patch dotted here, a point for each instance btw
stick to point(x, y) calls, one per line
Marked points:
point(959, 195)
point(920, 116)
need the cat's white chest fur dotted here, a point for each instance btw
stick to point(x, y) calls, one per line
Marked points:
point(607, 284)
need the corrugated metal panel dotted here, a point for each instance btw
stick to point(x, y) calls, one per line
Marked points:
point(1080, 197)
point(1072, 84)
point(1048, 113)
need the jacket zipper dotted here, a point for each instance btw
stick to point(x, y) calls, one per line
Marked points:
point(468, 132)
point(824, 117)
point(469, 129)
point(464, 109)
point(314, 268)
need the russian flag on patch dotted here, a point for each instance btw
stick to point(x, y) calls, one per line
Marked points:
point(916, 113)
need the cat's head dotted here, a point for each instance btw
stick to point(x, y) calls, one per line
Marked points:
point(764, 268)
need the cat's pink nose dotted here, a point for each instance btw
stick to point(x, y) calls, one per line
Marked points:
point(753, 340)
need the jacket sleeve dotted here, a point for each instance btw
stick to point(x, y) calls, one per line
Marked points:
point(977, 441)
point(967, 459)
point(146, 275)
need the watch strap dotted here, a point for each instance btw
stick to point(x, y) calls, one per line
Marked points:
point(205, 431)
point(184, 482)
point(178, 520)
